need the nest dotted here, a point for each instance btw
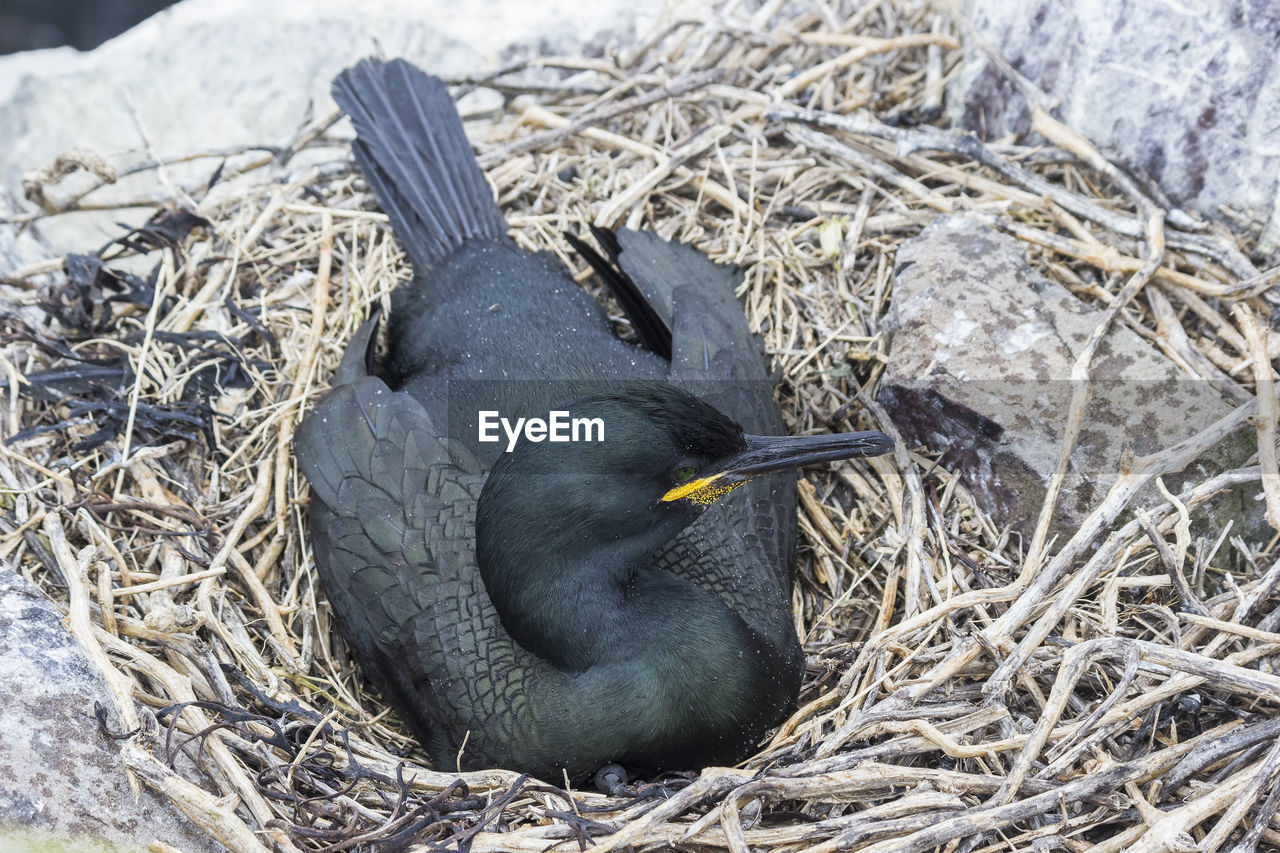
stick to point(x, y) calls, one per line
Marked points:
point(963, 691)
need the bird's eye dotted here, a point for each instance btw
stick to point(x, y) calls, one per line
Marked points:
point(684, 473)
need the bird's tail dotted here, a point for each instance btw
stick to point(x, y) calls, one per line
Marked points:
point(412, 149)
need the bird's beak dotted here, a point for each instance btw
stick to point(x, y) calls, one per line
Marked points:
point(767, 453)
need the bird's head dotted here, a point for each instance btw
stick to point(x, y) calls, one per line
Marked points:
point(664, 456)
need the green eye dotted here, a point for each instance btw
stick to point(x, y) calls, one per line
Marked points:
point(684, 473)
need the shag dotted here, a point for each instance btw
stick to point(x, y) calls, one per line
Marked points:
point(568, 604)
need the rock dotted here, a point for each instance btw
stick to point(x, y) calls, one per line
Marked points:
point(211, 75)
point(61, 779)
point(980, 355)
point(16, 253)
point(1189, 92)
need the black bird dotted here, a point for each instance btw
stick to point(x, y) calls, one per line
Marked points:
point(564, 605)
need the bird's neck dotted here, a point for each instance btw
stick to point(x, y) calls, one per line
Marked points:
point(571, 599)
point(663, 665)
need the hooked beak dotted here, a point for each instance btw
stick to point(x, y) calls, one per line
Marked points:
point(767, 453)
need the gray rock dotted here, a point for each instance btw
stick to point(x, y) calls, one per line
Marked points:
point(58, 774)
point(210, 75)
point(14, 252)
point(1187, 91)
point(980, 355)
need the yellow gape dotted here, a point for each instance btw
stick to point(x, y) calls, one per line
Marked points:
point(703, 491)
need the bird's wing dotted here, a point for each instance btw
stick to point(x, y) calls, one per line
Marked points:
point(715, 355)
point(392, 526)
point(650, 319)
point(683, 307)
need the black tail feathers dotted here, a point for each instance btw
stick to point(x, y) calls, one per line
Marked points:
point(412, 150)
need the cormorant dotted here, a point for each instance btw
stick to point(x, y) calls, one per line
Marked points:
point(566, 604)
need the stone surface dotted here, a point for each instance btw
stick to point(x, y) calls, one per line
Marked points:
point(1187, 90)
point(980, 355)
point(209, 75)
point(62, 783)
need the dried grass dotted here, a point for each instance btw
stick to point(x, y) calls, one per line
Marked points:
point(963, 693)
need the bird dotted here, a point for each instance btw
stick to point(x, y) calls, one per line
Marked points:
point(550, 606)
